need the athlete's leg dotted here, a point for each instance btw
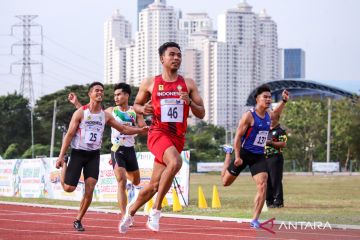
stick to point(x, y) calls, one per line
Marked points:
point(270, 182)
point(261, 182)
point(278, 175)
point(173, 163)
point(120, 175)
point(149, 190)
point(228, 178)
point(66, 187)
point(133, 176)
point(63, 173)
point(132, 166)
point(71, 171)
point(226, 163)
point(87, 198)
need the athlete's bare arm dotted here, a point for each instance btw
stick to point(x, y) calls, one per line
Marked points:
point(74, 100)
point(275, 114)
point(245, 122)
point(109, 110)
point(110, 120)
point(194, 99)
point(142, 105)
point(73, 126)
point(277, 144)
point(140, 121)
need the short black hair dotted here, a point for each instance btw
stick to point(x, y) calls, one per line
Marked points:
point(261, 89)
point(166, 45)
point(124, 87)
point(95, 84)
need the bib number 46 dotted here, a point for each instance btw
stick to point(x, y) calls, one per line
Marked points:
point(172, 113)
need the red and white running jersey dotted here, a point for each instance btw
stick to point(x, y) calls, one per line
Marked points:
point(170, 112)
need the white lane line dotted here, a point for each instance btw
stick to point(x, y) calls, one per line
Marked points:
point(201, 226)
point(71, 234)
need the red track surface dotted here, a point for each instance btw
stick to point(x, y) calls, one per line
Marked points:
point(34, 223)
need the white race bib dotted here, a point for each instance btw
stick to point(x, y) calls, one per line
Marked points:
point(92, 137)
point(260, 139)
point(172, 110)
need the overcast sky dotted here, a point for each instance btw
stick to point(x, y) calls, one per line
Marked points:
point(327, 30)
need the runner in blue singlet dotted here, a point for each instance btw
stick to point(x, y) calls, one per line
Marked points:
point(249, 143)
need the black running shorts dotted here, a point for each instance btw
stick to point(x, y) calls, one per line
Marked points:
point(88, 161)
point(256, 163)
point(125, 157)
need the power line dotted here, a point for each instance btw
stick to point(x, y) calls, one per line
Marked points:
point(71, 65)
point(59, 78)
point(70, 68)
point(71, 51)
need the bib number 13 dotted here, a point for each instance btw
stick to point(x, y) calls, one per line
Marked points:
point(260, 139)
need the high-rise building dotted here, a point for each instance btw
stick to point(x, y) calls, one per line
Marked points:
point(226, 65)
point(142, 4)
point(269, 59)
point(117, 35)
point(196, 61)
point(196, 23)
point(238, 61)
point(294, 63)
point(158, 23)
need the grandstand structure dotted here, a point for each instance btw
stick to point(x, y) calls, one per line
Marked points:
point(302, 88)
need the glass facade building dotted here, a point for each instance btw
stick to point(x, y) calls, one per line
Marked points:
point(294, 63)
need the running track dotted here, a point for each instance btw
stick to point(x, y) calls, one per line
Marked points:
point(37, 223)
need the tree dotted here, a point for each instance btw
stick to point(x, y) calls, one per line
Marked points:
point(306, 122)
point(39, 150)
point(15, 122)
point(345, 138)
point(204, 140)
point(12, 151)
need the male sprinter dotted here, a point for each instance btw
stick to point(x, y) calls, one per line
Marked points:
point(85, 135)
point(249, 144)
point(171, 98)
point(123, 157)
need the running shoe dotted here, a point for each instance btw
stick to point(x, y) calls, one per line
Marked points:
point(125, 223)
point(78, 226)
point(255, 223)
point(227, 148)
point(133, 193)
point(153, 220)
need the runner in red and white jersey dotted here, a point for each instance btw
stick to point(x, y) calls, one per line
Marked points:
point(172, 96)
point(165, 96)
point(85, 134)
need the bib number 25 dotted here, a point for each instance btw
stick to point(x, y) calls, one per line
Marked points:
point(92, 137)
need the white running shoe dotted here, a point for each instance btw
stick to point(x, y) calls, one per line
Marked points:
point(125, 223)
point(132, 196)
point(153, 220)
